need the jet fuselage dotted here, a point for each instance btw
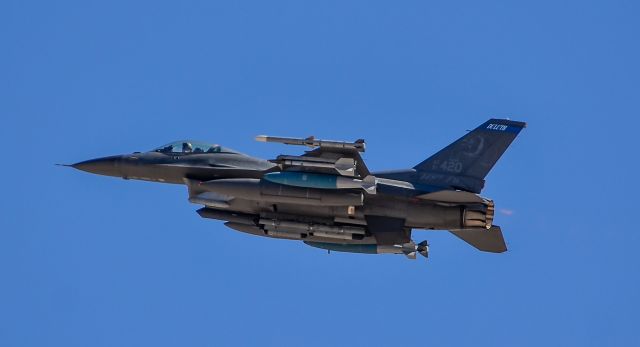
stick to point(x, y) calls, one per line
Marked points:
point(328, 197)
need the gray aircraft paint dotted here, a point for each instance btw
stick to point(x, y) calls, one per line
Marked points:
point(327, 197)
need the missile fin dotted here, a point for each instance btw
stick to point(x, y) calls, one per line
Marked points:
point(369, 184)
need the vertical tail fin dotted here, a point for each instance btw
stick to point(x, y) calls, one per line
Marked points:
point(465, 163)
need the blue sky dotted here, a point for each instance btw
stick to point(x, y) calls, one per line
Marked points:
point(96, 261)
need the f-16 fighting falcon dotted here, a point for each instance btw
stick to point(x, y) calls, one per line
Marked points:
point(327, 197)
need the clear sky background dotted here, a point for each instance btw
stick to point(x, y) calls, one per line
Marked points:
point(97, 261)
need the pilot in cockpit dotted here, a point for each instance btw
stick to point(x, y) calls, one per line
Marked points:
point(186, 147)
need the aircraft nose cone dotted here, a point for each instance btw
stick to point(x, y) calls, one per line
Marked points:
point(107, 166)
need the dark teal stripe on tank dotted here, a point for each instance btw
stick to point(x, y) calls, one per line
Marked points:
point(303, 179)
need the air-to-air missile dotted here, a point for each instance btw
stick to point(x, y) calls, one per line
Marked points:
point(311, 141)
point(327, 197)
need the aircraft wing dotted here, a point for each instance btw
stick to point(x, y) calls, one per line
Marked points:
point(361, 169)
point(335, 157)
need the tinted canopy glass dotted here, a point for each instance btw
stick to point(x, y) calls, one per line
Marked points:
point(189, 146)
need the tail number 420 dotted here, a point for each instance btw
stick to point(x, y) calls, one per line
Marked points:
point(454, 166)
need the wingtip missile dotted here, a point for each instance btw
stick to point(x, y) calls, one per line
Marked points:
point(358, 145)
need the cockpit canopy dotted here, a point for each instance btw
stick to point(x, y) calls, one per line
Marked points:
point(189, 146)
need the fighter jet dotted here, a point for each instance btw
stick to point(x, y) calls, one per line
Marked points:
point(327, 197)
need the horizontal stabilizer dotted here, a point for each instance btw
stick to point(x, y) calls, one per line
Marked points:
point(485, 240)
point(453, 196)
